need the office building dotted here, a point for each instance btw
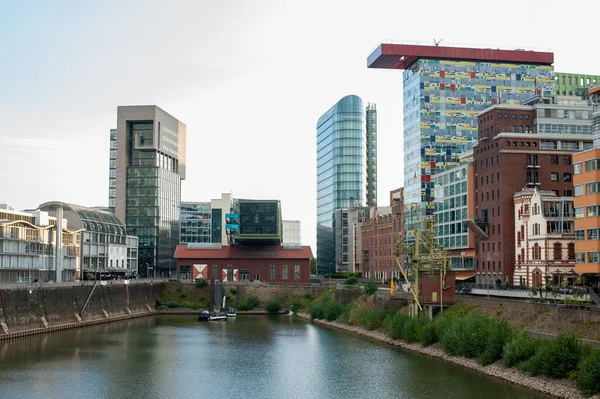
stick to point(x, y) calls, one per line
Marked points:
point(28, 247)
point(545, 239)
point(587, 202)
point(348, 222)
point(574, 84)
point(346, 169)
point(454, 203)
point(444, 89)
point(105, 249)
point(147, 164)
point(379, 235)
point(520, 146)
point(195, 222)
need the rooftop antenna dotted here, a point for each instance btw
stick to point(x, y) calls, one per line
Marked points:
point(437, 42)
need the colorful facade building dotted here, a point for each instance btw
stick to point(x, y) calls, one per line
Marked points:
point(445, 88)
point(574, 84)
point(346, 169)
point(587, 202)
point(513, 153)
point(454, 203)
point(379, 235)
point(544, 238)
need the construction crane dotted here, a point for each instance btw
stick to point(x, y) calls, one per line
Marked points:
point(424, 257)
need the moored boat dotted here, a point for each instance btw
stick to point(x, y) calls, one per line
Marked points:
point(220, 316)
point(231, 312)
point(203, 315)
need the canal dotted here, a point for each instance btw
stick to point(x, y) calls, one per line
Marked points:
point(251, 357)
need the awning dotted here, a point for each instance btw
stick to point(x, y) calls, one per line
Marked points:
point(465, 276)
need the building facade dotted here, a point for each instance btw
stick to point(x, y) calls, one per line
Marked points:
point(574, 84)
point(347, 238)
point(444, 90)
point(195, 222)
point(292, 233)
point(346, 168)
point(587, 202)
point(513, 154)
point(272, 264)
point(28, 247)
point(544, 239)
point(379, 235)
point(105, 249)
point(454, 203)
point(147, 164)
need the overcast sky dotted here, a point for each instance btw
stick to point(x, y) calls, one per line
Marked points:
point(248, 78)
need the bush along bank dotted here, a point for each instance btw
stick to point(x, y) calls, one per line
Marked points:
point(467, 334)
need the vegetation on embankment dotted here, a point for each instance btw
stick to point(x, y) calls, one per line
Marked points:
point(464, 332)
point(180, 295)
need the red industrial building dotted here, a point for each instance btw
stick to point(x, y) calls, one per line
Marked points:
point(273, 264)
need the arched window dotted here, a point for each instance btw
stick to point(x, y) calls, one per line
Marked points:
point(571, 250)
point(536, 251)
point(557, 253)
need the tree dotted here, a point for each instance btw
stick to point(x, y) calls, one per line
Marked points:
point(313, 266)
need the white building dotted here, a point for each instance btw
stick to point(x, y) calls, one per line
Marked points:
point(292, 233)
point(28, 247)
point(544, 238)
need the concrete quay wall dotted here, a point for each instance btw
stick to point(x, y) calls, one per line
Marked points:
point(36, 310)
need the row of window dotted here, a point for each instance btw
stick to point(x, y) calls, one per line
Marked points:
point(592, 211)
point(592, 257)
point(590, 188)
point(590, 165)
point(513, 116)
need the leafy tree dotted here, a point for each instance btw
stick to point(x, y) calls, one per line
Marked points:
point(370, 287)
point(313, 265)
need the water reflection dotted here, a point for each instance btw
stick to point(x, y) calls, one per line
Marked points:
point(252, 357)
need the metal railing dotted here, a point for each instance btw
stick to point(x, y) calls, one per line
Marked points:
point(80, 283)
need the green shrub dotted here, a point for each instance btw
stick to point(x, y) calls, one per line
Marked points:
point(158, 302)
point(332, 310)
point(465, 336)
point(233, 291)
point(344, 316)
point(555, 358)
point(182, 295)
point(370, 287)
point(172, 304)
point(588, 377)
point(518, 350)
point(397, 323)
point(499, 333)
point(273, 306)
point(201, 282)
point(351, 280)
point(427, 333)
point(317, 310)
point(252, 301)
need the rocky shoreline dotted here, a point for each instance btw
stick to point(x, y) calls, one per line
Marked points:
point(564, 389)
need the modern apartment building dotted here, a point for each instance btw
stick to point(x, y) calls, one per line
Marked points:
point(445, 88)
point(195, 222)
point(28, 247)
point(544, 240)
point(587, 201)
point(515, 152)
point(105, 248)
point(348, 222)
point(346, 169)
point(147, 164)
point(574, 84)
point(454, 202)
point(379, 235)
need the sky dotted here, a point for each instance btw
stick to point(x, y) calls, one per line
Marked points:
point(248, 78)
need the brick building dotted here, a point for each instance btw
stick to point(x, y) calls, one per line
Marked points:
point(520, 146)
point(379, 234)
point(273, 264)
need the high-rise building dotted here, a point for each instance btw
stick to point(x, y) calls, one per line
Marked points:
point(346, 168)
point(444, 90)
point(348, 238)
point(195, 222)
point(147, 164)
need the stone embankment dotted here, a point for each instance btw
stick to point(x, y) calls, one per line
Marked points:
point(564, 389)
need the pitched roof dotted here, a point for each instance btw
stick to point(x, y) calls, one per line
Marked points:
point(243, 252)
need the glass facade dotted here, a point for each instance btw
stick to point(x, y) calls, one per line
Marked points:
point(371, 115)
point(112, 171)
point(216, 225)
point(195, 222)
point(342, 168)
point(441, 101)
point(451, 208)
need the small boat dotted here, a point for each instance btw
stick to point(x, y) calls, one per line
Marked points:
point(231, 312)
point(203, 315)
point(220, 316)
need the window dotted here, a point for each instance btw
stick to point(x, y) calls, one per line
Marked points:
point(554, 176)
point(296, 272)
point(553, 160)
point(567, 177)
point(284, 272)
point(591, 165)
point(580, 257)
point(579, 235)
point(592, 211)
point(508, 143)
point(215, 272)
point(579, 213)
point(592, 234)
point(571, 250)
point(557, 251)
point(578, 168)
point(536, 251)
point(272, 272)
point(578, 190)
point(514, 116)
point(567, 160)
point(536, 229)
point(591, 188)
point(594, 257)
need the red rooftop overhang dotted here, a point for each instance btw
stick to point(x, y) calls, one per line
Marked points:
point(402, 56)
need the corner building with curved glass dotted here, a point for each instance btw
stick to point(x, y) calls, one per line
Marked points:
point(346, 169)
